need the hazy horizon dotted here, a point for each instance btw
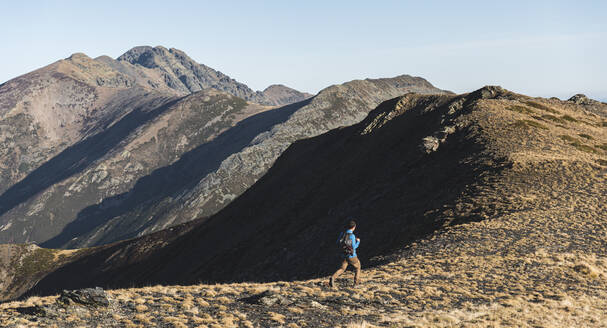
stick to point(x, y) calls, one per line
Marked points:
point(541, 49)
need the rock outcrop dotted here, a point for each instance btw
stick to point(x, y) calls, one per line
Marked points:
point(92, 297)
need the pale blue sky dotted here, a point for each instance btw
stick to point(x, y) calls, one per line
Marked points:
point(540, 48)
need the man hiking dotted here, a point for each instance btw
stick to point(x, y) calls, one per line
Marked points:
point(349, 243)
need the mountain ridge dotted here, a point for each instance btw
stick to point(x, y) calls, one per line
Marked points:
point(333, 107)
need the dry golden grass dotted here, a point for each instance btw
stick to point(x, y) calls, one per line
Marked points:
point(223, 300)
point(175, 321)
point(276, 317)
point(202, 302)
point(141, 308)
point(362, 324)
point(143, 318)
point(296, 310)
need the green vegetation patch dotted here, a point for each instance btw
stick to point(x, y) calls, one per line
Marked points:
point(520, 109)
point(603, 146)
point(586, 136)
point(528, 123)
point(542, 107)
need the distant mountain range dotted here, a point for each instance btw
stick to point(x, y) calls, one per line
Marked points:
point(100, 150)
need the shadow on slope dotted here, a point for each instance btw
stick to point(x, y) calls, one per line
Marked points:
point(285, 226)
point(78, 157)
point(170, 180)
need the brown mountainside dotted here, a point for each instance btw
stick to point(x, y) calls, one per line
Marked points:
point(44, 112)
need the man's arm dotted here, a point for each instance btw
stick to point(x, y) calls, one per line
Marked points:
point(355, 241)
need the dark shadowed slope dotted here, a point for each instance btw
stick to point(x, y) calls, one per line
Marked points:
point(415, 165)
point(205, 195)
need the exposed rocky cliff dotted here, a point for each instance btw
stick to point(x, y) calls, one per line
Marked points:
point(533, 168)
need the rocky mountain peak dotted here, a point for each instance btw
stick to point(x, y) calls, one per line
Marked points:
point(181, 73)
point(159, 56)
point(152, 57)
point(142, 55)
